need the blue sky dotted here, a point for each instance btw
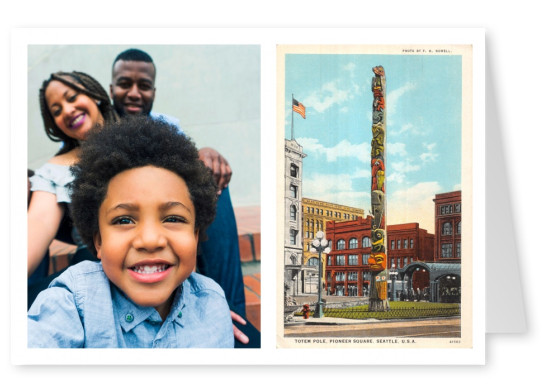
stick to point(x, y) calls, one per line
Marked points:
point(423, 103)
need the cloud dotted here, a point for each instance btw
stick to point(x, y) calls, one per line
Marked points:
point(344, 149)
point(397, 172)
point(337, 189)
point(394, 96)
point(398, 149)
point(414, 205)
point(322, 184)
point(327, 96)
point(429, 155)
point(349, 67)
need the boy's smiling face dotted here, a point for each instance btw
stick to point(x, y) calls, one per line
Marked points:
point(147, 240)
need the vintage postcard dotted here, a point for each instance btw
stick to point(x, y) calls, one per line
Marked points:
point(375, 196)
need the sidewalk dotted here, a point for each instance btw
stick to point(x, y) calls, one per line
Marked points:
point(299, 320)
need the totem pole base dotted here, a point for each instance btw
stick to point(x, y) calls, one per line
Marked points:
point(378, 305)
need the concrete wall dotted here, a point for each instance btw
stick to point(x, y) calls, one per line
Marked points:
point(213, 90)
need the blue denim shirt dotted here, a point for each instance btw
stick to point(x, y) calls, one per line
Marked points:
point(82, 309)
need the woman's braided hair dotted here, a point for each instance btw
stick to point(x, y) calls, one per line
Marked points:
point(85, 84)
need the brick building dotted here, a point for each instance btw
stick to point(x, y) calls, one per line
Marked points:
point(447, 226)
point(407, 243)
point(346, 271)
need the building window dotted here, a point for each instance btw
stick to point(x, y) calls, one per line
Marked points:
point(447, 228)
point(330, 244)
point(365, 258)
point(293, 236)
point(353, 243)
point(293, 213)
point(458, 249)
point(339, 276)
point(294, 191)
point(399, 262)
point(459, 228)
point(294, 170)
point(398, 243)
point(392, 244)
point(353, 276)
point(411, 243)
point(446, 209)
point(405, 243)
point(365, 276)
point(457, 208)
point(447, 250)
point(339, 261)
point(353, 259)
point(329, 260)
point(366, 242)
point(340, 244)
point(313, 262)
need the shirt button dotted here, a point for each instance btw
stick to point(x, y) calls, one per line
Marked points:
point(180, 314)
point(129, 318)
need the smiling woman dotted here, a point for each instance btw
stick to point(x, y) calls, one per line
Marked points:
point(72, 104)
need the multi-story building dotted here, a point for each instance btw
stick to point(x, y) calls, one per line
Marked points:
point(315, 215)
point(407, 243)
point(447, 227)
point(293, 218)
point(346, 271)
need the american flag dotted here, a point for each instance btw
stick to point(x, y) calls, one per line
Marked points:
point(299, 108)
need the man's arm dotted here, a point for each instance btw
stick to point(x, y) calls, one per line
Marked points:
point(218, 165)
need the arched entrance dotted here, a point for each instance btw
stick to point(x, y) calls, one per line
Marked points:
point(436, 282)
point(449, 288)
point(416, 284)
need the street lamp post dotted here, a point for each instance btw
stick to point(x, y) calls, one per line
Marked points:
point(320, 245)
point(393, 273)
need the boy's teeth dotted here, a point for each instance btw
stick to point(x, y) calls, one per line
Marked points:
point(150, 269)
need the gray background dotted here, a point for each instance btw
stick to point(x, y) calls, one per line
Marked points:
point(213, 90)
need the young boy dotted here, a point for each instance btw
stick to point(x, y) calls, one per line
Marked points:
point(141, 198)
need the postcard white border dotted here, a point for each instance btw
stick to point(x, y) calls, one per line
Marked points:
point(268, 38)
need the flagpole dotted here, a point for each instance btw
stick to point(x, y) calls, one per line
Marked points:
point(292, 117)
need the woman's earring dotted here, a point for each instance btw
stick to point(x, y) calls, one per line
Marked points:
point(98, 102)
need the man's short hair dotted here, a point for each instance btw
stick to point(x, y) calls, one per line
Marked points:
point(137, 141)
point(133, 55)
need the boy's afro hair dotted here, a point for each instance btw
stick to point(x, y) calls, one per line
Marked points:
point(136, 141)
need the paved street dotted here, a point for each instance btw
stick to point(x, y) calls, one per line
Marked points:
point(328, 327)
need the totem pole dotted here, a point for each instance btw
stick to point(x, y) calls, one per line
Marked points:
point(377, 263)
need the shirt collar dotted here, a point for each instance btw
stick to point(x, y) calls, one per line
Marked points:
point(130, 314)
